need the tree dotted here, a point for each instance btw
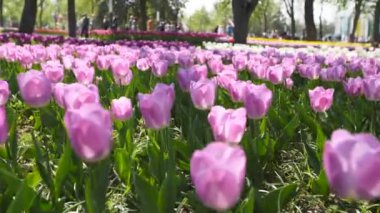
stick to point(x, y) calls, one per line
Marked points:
point(242, 10)
point(264, 16)
point(311, 31)
point(289, 6)
point(71, 18)
point(41, 12)
point(359, 4)
point(376, 22)
point(28, 18)
point(1, 14)
point(200, 21)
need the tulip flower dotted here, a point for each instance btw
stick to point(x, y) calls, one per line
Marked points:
point(160, 68)
point(3, 125)
point(217, 173)
point(203, 93)
point(276, 74)
point(353, 86)
point(142, 64)
point(156, 107)
point(35, 88)
point(228, 125)
point(257, 101)
point(84, 74)
point(238, 90)
point(371, 88)
point(351, 162)
point(121, 109)
point(90, 131)
point(53, 70)
point(321, 99)
point(75, 95)
point(4, 92)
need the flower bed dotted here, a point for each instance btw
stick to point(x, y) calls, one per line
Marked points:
point(159, 129)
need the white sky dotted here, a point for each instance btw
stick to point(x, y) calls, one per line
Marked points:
point(328, 12)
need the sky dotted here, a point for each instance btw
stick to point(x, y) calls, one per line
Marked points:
point(328, 12)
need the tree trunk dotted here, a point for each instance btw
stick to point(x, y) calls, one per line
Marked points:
point(1, 14)
point(293, 26)
point(242, 10)
point(311, 31)
point(265, 22)
point(28, 17)
point(72, 18)
point(41, 13)
point(376, 22)
point(143, 15)
point(320, 28)
point(358, 5)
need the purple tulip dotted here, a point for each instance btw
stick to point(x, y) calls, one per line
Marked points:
point(353, 86)
point(90, 131)
point(288, 83)
point(3, 125)
point(53, 70)
point(309, 71)
point(121, 109)
point(351, 162)
point(203, 93)
point(4, 92)
point(35, 88)
point(276, 74)
point(195, 73)
point(239, 61)
point(156, 107)
point(102, 62)
point(76, 95)
point(371, 88)
point(228, 125)
point(258, 101)
point(215, 65)
point(321, 99)
point(84, 74)
point(160, 68)
point(142, 64)
point(335, 73)
point(218, 173)
point(238, 90)
point(58, 92)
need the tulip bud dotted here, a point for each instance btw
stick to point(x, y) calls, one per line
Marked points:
point(35, 88)
point(321, 99)
point(121, 109)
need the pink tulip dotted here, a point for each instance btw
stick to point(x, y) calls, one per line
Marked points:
point(258, 101)
point(309, 71)
point(3, 125)
point(238, 90)
point(120, 67)
point(203, 93)
point(276, 74)
point(227, 125)
point(184, 59)
point(352, 162)
point(371, 88)
point(142, 64)
point(102, 62)
point(321, 99)
point(215, 65)
point(289, 83)
point(35, 88)
point(239, 61)
point(353, 86)
point(84, 74)
point(156, 107)
point(53, 70)
point(121, 109)
point(160, 68)
point(90, 131)
point(4, 92)
point(76, 95)
point(218, 173)
point(58, 92)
